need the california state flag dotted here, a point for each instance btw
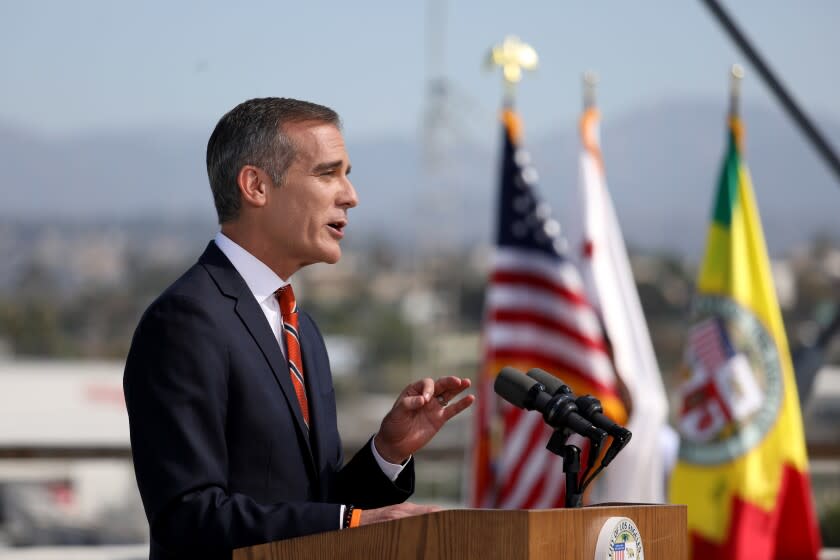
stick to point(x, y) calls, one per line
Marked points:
point(743, 469)
point(595, 237)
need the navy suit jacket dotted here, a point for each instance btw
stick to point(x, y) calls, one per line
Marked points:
point(221, 453)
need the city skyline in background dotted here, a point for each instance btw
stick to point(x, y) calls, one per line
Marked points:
point(113, 102)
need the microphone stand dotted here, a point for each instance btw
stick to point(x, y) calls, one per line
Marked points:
point(571, 461)
point(571, 466)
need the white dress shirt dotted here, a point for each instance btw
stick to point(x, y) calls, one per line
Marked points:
point(263, 283)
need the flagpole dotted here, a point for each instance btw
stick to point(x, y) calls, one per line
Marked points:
point(808, 128)
point(737, 75)
point(590, 83)
point(512, 56)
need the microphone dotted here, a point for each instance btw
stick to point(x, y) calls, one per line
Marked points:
point(553, 384)
point(517, 389)
point(590, 408)
point(559, 410)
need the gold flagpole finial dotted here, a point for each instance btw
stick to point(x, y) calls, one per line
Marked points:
point(590, 83)
point(737, 74)
point(512, 56)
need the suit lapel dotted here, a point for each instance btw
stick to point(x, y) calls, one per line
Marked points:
point(251, 315)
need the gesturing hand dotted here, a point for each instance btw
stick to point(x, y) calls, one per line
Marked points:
point(417, 415)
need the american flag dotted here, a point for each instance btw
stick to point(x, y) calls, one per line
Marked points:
point(709, 345)
point(618, 551)
point(536, 315)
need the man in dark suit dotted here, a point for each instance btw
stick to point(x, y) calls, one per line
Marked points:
point(228, 386)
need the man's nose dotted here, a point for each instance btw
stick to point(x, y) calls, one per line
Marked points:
point(349, 197)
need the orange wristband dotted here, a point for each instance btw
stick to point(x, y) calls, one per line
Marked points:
point(355, 517)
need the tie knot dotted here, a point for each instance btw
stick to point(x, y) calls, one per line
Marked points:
point(286, 298)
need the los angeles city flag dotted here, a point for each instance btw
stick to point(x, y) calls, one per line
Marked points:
point(743, 468)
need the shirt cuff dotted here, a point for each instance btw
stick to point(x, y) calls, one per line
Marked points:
point(341, 516)
point(391, 470)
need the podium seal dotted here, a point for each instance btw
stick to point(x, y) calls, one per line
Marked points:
point(619, 539)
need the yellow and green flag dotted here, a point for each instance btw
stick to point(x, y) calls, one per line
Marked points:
point(743, 467)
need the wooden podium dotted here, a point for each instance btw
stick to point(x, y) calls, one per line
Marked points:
point(484, 534)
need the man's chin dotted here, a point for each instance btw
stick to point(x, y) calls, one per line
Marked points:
point(331, 257)
point(326, 255)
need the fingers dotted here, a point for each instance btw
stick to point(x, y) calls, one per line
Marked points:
point(457, 407)
point(416, 395)
point(419, 509)
point(447, 388)
point(423, 391)
point(423, 387)
point(397, 511)
point(412, 403)
point(451, 383)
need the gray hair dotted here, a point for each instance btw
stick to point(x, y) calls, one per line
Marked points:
point(252, 134)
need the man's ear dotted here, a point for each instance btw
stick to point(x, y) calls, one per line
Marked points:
point(253, 184)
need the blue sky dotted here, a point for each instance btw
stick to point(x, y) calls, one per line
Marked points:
point(71, 66)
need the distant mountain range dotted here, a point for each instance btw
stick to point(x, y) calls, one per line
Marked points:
point(662, 164)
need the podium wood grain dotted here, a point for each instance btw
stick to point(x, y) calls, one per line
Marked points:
point(557, 534)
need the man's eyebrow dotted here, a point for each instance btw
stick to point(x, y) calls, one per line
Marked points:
point(326, 166)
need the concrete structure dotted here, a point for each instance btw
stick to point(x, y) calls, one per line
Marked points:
point(65, 468)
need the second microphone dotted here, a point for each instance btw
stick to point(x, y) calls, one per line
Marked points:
point(559, 410)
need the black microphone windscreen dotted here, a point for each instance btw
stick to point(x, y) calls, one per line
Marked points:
point(513, 386)
point(553, 385)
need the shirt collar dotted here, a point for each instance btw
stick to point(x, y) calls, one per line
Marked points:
point(261, 280)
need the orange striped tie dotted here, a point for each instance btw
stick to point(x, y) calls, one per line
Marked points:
point(288, 308)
